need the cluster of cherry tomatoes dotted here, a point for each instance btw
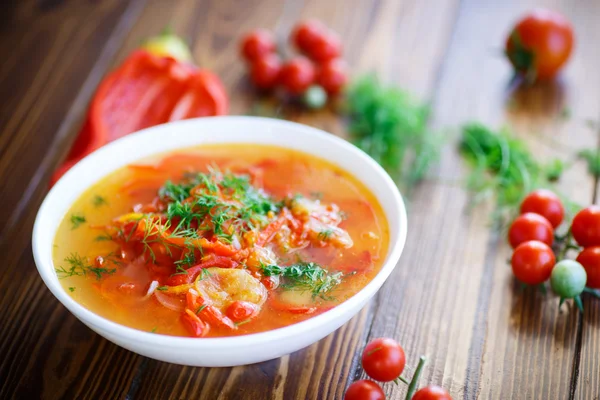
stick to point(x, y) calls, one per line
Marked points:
point(383, 360)
point(532, 236)
point(317, 72)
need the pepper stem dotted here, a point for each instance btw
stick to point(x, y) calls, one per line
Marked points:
point(412, 387)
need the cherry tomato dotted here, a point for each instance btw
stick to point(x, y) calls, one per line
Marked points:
point(364, 390)
point(532, 262)
point(257, 44)
point(586, 227)
point(325, 48)
point(306, 33)
point(297, 75)
point(530, 226)
point(432, 392)
point(264, 72)
point(590, 259)
point(568, 279)
point(540, 44)
point(545, 203)
point(332, 76)
point(383, 359)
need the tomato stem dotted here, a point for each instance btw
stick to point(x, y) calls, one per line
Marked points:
point(412, 387)
point(543, 289)
point(579, 303)
point(591, 291)
point(401, 379)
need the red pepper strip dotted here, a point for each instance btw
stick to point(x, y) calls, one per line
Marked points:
point(194, 324)
point(192, 273)
point(267, 234)
point(146, 90)
point(215, 317)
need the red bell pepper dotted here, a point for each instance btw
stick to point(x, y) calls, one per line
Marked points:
point(146, 90)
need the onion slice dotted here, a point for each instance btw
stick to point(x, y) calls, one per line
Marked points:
point(171, 302)
point(151, 289)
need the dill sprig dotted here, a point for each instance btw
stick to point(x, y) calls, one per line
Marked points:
point(77, 220)
point(99, 201)
point(390, 126)
point(80, 266)
point(306, 276)
point(504, 168)
point(222, 202)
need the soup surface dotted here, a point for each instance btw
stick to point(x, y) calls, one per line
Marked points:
point(220, 240)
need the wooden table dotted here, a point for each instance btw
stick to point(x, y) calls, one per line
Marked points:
point(451, 298)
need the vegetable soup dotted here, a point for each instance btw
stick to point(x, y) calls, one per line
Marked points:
point(220, 240)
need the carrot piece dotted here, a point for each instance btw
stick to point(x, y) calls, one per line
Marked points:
point(214, 316)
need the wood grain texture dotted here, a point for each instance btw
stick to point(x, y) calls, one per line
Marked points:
point(457, 304)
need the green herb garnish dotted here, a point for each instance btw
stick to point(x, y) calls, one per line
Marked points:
point(79, 266)
point(71, 289)
point(306, 277)
point(99, 201)
point(162, 288)
point(103, 238)
point(77, 220)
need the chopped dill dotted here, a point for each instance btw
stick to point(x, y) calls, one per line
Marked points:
point(179, 270)
point(71, 289)
point(325, 235)
point(99, 201)
point(199, 310)
point(79, 266)
point(306, 277)
point(153, 330)
point(243, 322)
point(77, 220)
point(162, 288)
point(103, 238)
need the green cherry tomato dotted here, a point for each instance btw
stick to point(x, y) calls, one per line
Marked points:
point(568, 279)
point(315, 97)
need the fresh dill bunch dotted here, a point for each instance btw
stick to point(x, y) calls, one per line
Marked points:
point(391, 126)
point(79, 266)
point(592, 158)
point(504, 168)
point(306, 276)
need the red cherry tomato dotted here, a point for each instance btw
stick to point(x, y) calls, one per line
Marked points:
point(590, 259)
point(586, 227)
point(545, 203)
point(325, 48)
point(264, 72)
point(297, 75)
point(432, 393)
point(333, 76)
point(383, 359)
point(257, 44)
point(306, 33)
point(532, 262)
point(540, 44)
point(530, 226)
point(364, 390)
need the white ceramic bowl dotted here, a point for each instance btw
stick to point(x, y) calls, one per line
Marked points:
point(227, 351)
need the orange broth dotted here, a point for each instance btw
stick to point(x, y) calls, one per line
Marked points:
point(283, 172)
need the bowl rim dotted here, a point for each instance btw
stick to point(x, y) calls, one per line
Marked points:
point(92, 319)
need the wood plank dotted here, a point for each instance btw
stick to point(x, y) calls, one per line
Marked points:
point(49, 49)
point(320, 371)
point(459, 305)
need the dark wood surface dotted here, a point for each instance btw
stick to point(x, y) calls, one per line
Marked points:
point(451, 297)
